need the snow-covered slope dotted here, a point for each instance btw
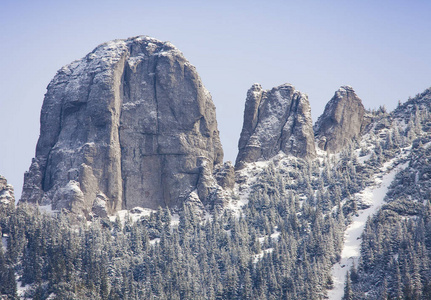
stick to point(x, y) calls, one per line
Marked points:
point(374, 196)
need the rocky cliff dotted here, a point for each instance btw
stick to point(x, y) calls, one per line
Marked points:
point(6, 191)
point(341, 122)
point(130, 124)
point(275, 120)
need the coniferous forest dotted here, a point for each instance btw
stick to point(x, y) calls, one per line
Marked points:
point(278, 237)
point(280, 245)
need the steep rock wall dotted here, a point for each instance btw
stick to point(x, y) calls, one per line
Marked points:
point(130, 124)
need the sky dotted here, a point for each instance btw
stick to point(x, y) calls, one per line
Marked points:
point(380, 48)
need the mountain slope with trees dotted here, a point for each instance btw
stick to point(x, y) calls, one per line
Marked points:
point(276, 227)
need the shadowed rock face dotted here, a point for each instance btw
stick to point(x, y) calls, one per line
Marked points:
point(275, 120)
point(130, 124)
point(341, 122)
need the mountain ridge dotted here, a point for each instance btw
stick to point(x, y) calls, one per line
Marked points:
point(341, 211)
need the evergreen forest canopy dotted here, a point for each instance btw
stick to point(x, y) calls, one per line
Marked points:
point(281, 245)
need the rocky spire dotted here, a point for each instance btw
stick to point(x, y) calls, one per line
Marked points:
point(275, 120)
point(341, 122)
point(130, 124)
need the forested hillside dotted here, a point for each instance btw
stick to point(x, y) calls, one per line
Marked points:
point(396, 247)
point(128, 196)
point(277, 239)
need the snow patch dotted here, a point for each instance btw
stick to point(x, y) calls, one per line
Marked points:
point(175, 220)
point(259, 256)
point(48, 209)
point(363, 159)
point(273, 236)
point(374, 196)
point(4, 242)
point(154, 241)
point(21, 290)
point(248, 175)
point(134, 214)
point(134, 61)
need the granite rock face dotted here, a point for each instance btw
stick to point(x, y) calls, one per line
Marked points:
point(341, 122)
point(130, 124)
point(6, 191)
point(275, 120)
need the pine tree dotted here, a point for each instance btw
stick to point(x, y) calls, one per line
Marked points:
point(3, 271)
point(354, 277)
point(9, 288)
point(384, 292)
point(398, 285)
point(348, 293)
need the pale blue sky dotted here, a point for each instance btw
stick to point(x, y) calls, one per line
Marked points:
point(381, 48)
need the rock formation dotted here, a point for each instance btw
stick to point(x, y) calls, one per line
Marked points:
point(341, 122)
point(6, 191)
point(275, 120)
point(130, 124)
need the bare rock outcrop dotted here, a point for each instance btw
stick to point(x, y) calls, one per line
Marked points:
point(6, 191)
point(128, 125)
point(341, 122)
point(275, 120)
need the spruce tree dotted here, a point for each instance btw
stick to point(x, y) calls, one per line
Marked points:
point(348, 293)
